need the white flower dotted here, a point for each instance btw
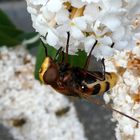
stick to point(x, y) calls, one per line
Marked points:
point(112, 4)
point(83, 18)
point(77, 3)
point(52, 39)
point(111, 21)
point(23, 97)
point(54, 5)
point(90, 1)
point(38, 2)
point(125, 95)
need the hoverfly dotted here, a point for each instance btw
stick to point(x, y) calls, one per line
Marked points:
point(75, 81)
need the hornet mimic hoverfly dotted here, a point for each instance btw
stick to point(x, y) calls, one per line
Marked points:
point(75, 81)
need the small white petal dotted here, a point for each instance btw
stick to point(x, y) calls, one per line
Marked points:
point(31, 10)
point(62, 16)
point(106, 98)
point(88, 43)
point(121, 45)
point(62, 29)
point(76, 32)
point(80, 22)
point(41, 29)
point(52, 39)
point(38, 2)
point(128, 99)
point(111, 21)
point(137, 134)
point(40, 25)
point(96, 25)
point(105, 40)
point(90, 1)
point(106, 51)
point(128, 130)
point(136, 51)
point(41, 20)
point(119, 33)
point(77, 3)
point(103, 51)
point(54, 5)
point(93, 15)
point(112, 3)
point(46, 13)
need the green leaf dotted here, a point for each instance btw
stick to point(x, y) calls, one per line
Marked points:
point(6, 40)
point(4, 20)
point(79, 59)
point(51, 51)
point(8, 31)
point(39, 60)
point(75, 60)
point(26, 36)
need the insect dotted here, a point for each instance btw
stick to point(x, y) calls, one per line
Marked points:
point(62, 111)
point(19, 122)
point(75, 81)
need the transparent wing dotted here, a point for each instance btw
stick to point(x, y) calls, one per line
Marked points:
point(107, 106)
point(95, 65)
point(96, 68)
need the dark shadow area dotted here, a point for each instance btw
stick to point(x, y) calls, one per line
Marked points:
point(4, 133)
point(96, 121)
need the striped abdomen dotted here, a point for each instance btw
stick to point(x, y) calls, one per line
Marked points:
point(100, 87)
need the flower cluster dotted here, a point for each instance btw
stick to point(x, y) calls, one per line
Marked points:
point(107, 21)
point(126, 94)
point(32, 111)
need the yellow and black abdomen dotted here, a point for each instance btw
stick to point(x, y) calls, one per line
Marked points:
point(99, 87)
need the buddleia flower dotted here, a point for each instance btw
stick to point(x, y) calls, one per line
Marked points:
point(107, 21)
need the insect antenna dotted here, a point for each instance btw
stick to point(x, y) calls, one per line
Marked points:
point(44, 37)
point(98, 102)
point(89, 56)
point(67, 47)
point(112, 45)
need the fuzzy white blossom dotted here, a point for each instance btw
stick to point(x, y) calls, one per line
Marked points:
point(30, 110)
point(126, 94)
point(107, 21)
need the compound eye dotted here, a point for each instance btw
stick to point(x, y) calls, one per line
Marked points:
point(50, 75)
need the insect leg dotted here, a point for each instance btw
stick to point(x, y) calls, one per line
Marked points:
point(44, 37)
point(103, 68)
point(98, 102)
point(67, 47)
point(88, 58)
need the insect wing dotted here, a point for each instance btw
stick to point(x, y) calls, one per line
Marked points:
point(96, 68)
point(95, 65)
